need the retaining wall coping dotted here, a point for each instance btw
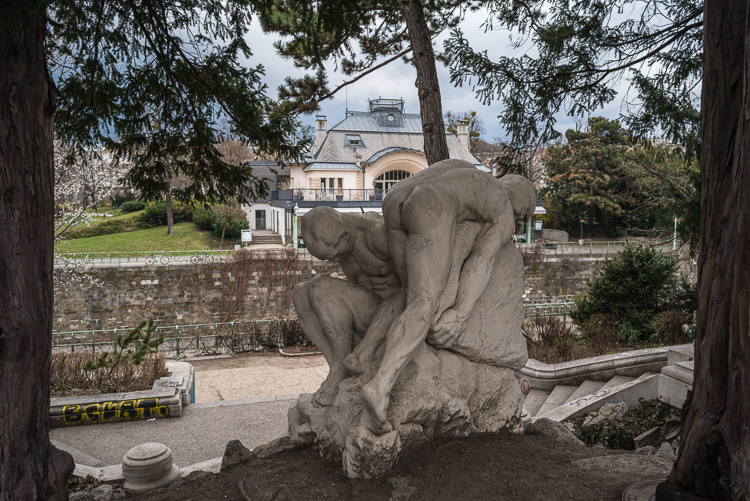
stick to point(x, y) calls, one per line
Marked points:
point(574, 368)
point(168, 394)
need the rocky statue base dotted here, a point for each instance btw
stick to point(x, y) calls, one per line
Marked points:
point(439, 394)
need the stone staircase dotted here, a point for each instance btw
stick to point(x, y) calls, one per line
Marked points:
point(569, 398)
point(266, 237)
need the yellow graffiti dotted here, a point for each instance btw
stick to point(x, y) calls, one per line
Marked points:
point(142, 408)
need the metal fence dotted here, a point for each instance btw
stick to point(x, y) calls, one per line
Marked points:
point(164, 258)
point(195, 339)
point(593, 248)
point(149, 258)
point(227, 337)
point(549, 310)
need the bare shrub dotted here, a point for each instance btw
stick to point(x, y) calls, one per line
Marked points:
point(549, 339)
point(602, 332)
point(69, 376)
point(532, 255)
point(670, 327)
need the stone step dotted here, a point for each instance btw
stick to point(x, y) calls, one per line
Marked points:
point(587, 388)
point(534, 401)
point(645, 375)
point(616, 381)
point(558, 397)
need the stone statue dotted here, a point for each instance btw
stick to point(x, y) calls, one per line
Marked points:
point(438, 283)
point(335, 314)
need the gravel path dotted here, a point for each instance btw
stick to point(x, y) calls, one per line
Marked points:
point(256, 375)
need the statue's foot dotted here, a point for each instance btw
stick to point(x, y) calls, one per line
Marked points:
point(354, 365)
point(374, 417)
point(325, 395)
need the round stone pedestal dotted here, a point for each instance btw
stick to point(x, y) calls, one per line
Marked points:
point(147, 467)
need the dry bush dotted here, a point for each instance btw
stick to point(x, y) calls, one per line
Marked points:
point(550, 340)
point(602, 333)
point(670, 327)
point(68, 376)
point(532, 255)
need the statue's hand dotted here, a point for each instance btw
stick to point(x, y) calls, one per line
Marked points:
point(446, 330)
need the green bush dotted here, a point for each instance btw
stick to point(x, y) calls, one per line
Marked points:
point(634, 287)
point(233, 229)
point(133, 206)
point(119, 199)
point(228, 221)
point(203, 217)
point(105, 227)
point(156, 214)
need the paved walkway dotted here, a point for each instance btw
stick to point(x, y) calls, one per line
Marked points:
point(204, 428)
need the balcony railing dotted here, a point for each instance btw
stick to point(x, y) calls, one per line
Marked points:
point(330, 195)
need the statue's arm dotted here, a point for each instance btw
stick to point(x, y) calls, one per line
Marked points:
point(473, 280)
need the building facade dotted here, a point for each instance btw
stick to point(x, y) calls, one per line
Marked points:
point(353, 164)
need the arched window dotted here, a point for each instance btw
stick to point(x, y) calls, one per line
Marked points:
point(386, 180)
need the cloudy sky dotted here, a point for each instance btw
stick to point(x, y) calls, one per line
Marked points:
point(396, 80)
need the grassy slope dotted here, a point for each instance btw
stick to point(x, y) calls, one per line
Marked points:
point(120, 215)
point(186, 236)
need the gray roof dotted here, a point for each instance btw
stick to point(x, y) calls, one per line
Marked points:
point(376, 143)
point(362, 121)
point(331, 166)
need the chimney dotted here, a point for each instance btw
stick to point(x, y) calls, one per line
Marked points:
point(320, 130)
point(463, 133)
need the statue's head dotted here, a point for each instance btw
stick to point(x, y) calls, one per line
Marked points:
point(325, 234)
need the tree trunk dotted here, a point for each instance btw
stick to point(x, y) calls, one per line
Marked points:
point(430, 107)
point(31, 467)
point(714, 459)
point(170, 215)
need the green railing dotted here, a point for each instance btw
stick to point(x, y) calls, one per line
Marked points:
point(549, 310)
point(593, 248)
point(150, 258)
point(196, 339)
point(227, 337)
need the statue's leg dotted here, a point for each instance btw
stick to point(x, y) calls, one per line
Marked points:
point(334, 312)
point(429, 222)
point(359, 361)
point(308, 317)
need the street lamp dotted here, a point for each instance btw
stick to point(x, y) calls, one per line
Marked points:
point(580, 242)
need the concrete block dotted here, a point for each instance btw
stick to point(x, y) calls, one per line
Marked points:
point(681, 353)
point(681, 371)
point(673, 391)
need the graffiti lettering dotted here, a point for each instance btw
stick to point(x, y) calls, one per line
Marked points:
point(142, 408)
point(524, 384)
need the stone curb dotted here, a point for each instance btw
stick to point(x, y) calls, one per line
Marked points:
point(310, 354)
point(541, 376)
point(166, 399)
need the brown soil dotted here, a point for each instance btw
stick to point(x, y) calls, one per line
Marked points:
point(499, 467)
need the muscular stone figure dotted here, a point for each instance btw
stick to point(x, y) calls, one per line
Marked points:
point(335, 314)
point(422, 215)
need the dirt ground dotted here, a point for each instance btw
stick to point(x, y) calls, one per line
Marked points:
point(248, 375)
point(498, 467)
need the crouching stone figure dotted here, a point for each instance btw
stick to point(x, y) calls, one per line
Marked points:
point(424, 337)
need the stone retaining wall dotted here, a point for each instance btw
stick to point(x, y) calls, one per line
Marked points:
point(191, 294)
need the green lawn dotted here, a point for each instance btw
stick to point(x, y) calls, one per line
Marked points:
point(186, 236)
point(97, 218)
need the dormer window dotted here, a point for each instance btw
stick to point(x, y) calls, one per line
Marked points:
point(353, 141)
